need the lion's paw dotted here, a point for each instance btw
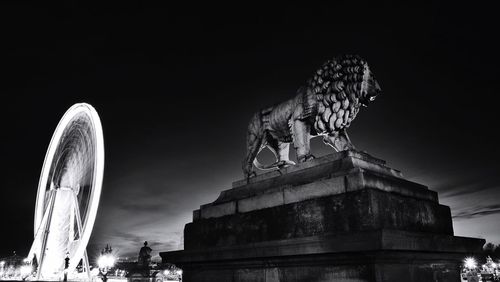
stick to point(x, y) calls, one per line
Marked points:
point(306, 158)
point(251, 174)
point(310, 157)
point(284, 163)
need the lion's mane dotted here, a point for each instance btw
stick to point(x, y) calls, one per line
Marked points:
point(337, 87)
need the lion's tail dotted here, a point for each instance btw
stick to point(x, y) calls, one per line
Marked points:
point(258, 165)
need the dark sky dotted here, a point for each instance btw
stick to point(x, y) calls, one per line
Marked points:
point(176, 86)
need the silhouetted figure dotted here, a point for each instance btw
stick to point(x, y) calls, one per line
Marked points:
point(144, 256)
point(66, 265)
point(34, 263)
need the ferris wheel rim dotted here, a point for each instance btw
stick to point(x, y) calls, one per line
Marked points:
point(96, 185)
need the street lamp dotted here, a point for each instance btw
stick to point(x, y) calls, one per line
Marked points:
point(105, 262)
point(25, 271)
point(470, 263)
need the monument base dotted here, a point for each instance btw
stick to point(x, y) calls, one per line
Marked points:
point(366, 266)
point(342, 217)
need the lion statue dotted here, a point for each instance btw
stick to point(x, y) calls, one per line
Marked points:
point(324, 107)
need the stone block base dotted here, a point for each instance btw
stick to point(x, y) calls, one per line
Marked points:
point(378, 256)
point(342, 217)
point(354, 267)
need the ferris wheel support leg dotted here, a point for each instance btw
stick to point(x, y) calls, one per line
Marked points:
point(39, 233)
point(45, 229)
point(80, 230)
point(86, 263)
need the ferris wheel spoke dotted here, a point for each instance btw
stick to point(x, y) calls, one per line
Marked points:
point(86, 263)
point(75, 231)
point(76, 208)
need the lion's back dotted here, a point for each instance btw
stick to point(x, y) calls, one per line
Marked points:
point(278, 119)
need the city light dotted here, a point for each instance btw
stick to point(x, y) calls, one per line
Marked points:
point(470, 263)
point(106, 261)
point(2, 271)
point(26, 270)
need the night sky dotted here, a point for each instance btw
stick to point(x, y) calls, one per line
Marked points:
point(175, 88)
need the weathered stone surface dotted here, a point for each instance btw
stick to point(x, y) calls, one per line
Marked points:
point(342, 217)
point(330, 175)
point(325, 167)
point(366, 209)
point(261, 202)
point(323, 187)
point(210, 211)
point(366, 266)
point(365, 241)
point(327, 160)
point(355, 180)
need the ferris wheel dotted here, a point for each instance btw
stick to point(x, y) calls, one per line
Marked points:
point(68, 193)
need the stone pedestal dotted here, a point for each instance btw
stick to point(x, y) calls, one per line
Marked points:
point(342, 217)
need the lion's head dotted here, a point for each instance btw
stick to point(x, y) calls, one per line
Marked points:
point(341, 86)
